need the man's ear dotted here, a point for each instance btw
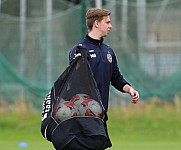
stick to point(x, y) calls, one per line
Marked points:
point(96, 23)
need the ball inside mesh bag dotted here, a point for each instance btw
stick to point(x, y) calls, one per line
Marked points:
point(90, 107)
point(79, 98)
point(66, 110)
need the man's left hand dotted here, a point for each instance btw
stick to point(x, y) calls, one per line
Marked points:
point(134, 95)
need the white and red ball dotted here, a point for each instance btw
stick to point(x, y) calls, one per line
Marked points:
point(79, 98)
point(90, 107)
point(65, 110)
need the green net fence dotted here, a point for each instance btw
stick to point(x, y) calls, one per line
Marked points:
point(145, 37)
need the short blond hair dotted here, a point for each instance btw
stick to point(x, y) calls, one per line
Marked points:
point(95, 14)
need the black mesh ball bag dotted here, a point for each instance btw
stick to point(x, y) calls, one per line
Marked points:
point(73, 117)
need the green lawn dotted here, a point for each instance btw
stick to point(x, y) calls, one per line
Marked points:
point(132, 128)
point(146, 145)
point(117, 145)
point(31, 145)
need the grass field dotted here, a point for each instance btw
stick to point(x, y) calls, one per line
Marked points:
point(135, 127)
point(122, 145)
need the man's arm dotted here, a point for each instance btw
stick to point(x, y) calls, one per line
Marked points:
point(133, 93)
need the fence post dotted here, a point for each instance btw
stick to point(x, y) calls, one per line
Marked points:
point(83, 4)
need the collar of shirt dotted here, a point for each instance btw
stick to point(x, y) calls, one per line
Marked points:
point(95, 41)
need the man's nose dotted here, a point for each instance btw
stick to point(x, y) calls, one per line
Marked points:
point(110, 26)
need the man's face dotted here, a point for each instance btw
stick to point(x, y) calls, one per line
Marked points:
point(105, 26)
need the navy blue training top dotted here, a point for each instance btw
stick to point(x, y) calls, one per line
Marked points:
point(104, 66)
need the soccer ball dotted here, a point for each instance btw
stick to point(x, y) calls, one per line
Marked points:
point(90, 107)
point(65, 110)
point(79, 98)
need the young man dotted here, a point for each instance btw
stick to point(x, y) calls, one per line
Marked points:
point(101, 57)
